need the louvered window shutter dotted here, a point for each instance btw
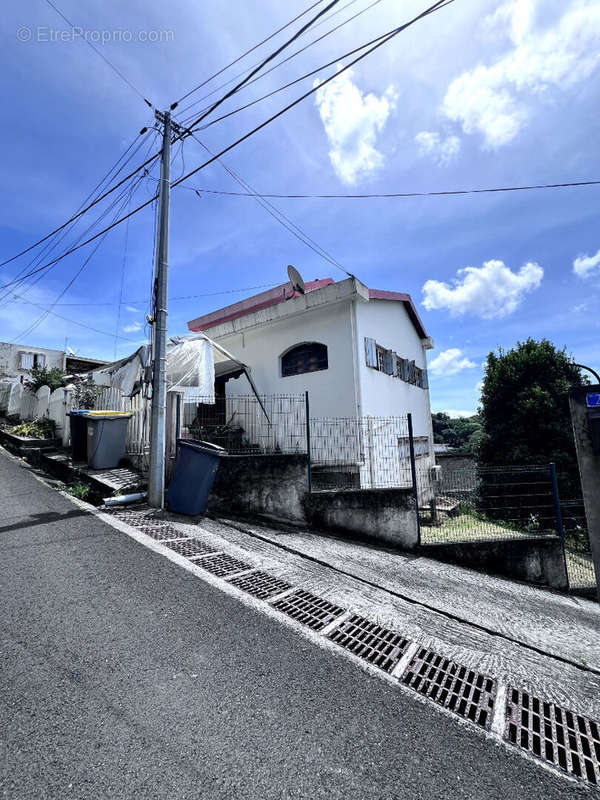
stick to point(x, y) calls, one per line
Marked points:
point(371, 352)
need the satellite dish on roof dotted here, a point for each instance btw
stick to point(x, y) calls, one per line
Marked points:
point(296, 279)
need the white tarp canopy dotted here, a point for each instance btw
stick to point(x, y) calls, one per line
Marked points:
point(193, 362)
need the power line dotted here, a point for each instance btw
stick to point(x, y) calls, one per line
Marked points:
point(394, 194)
point(82, 244)
point(435, 7)
point(82, 211)
point(239, 58)
point(172, 299)
point(128, 190)
point(51, 245)
point(280, 217)
point(102, 56)
point(264, 62)
point(292, 55)
point(388, 37)
point(156, 155)
point(40, 319)
point(75, 322)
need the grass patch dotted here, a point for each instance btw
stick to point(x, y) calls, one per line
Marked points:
point(78, 490)
point(467, 528)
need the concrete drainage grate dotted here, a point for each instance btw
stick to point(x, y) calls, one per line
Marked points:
point(260, 584)
point(146, 523)
point(460, 689)
point(307, 608)
point(569, 741)
point(189, 547)
point(366, 639)
point(161, 533)
point(222, 565)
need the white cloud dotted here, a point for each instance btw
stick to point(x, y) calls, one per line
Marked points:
point(586, 266)
point(442, 151)
point(490, 291)
point(132, 309)
point(352, 121)
point(453, 412)
point(492, 100)
point(449, 362)
point(133, 328)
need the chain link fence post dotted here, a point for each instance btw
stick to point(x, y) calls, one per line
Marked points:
point(413, 470)
point(309, 465)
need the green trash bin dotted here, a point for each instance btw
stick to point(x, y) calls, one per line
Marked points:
point(106, 438)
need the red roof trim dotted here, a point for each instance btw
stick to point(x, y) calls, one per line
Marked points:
point(280, 294)
point(382, 294)
point(258, 302)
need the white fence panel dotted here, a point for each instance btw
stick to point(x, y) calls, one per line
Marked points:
point(109, 399)
point(28, 405)
point(138, 430)
point(15, 399)
point(58, 406)
point(69, 402)
point(5, 390)
point(42, 398)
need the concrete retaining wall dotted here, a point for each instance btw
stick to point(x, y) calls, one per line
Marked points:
point(275, 486)
point(535, 559)
point(383, 515)
point(269, 485)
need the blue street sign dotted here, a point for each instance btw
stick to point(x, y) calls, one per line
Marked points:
point(593, 399)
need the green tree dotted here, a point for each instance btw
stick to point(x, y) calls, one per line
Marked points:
point(525, 408)
point(44, 376)
point(458, 432)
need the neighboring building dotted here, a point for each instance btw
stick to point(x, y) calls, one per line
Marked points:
point(16, 360)
point(359, 352)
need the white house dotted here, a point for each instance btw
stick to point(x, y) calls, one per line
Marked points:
point(17, 359)
point(359, 352)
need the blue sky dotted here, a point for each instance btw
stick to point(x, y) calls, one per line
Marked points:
point(479, 94)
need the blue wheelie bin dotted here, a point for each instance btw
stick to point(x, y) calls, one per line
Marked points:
point(194, 474)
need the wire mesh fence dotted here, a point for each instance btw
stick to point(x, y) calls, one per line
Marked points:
point(365, 453)
point(247, 424)
point(578, 552)
point(487, 503)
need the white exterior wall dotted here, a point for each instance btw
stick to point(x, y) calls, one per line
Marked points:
point(339, 316)
point(10, 358)
point(384, 395)
point(331, 391)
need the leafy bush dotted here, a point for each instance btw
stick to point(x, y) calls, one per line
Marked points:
point(37, 429)
point(42, 376)
point(85, 392)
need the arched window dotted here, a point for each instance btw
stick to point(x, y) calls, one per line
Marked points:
point(307, 357)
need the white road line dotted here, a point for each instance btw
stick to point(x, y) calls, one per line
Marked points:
point(401, 666)
point(281, 595)
point(499, 718)
point(198, 556)
point(337, 621)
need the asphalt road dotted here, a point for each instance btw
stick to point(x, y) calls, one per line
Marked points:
point(125, 676)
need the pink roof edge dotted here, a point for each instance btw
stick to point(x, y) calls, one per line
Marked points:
point(279, 294)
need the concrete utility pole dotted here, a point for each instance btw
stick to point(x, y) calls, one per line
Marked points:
point(156, 478)
point(585, 417)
